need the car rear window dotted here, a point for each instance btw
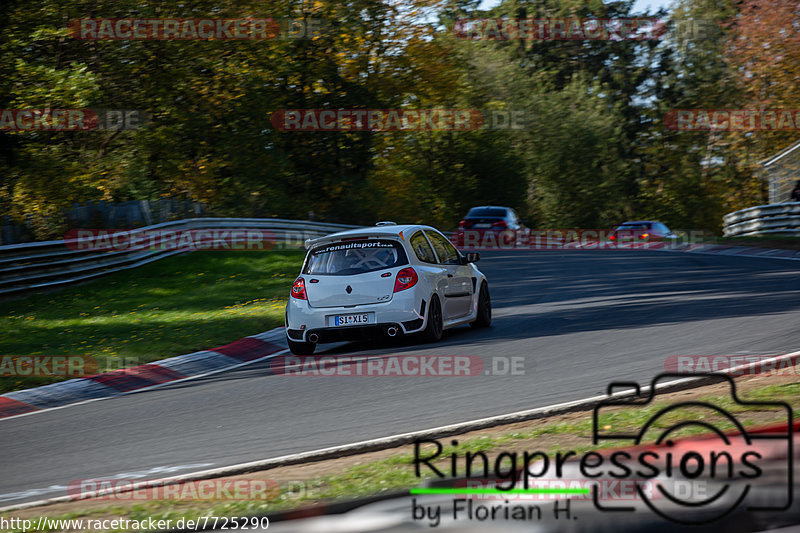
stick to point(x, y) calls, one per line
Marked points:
point(354, 257)
point(498, 212)
point(634, 226)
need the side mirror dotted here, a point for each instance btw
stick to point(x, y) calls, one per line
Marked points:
point(473, 257)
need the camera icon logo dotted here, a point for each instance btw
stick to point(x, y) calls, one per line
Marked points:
point(702, 478)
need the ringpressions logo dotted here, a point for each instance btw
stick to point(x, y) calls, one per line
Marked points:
point(690, 462)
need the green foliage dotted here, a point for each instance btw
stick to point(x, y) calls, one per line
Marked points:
point(595, 151)
point(170, 307)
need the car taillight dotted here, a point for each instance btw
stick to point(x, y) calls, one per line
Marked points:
point(500, 224)
point(299, 289)
point(644, 235)
point(612, 237)
point(462, 224)
point(405, 279)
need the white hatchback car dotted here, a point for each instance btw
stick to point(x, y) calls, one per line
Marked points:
point(384, 280)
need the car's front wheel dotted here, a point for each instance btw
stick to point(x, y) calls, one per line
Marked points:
point(301, 348)
point(484, 318)
point(433, 331)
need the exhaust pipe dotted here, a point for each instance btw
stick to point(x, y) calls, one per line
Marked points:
point(313, 337)
point(391, 331)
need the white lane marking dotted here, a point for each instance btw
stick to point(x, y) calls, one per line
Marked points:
point(139, 474)
point(402, 438)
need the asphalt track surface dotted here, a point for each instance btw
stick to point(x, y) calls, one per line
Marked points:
point(580, 319)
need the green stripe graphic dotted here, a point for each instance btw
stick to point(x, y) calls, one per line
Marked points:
point(498, 491)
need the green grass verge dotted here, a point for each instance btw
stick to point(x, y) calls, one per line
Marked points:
point(170, 307)
point(396, 473)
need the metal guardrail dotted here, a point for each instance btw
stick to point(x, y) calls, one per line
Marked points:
point(38, 265)
point(772, 219)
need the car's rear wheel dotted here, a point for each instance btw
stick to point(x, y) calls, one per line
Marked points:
point(484, 318)
point(433, 331)
point(301, 348)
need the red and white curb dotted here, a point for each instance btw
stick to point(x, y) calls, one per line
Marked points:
point(245, 351)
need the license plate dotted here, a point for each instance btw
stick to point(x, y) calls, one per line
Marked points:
point(482, 226)
point(351, 320)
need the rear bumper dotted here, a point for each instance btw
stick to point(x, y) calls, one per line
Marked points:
point(404, 312)
point(351, 333)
